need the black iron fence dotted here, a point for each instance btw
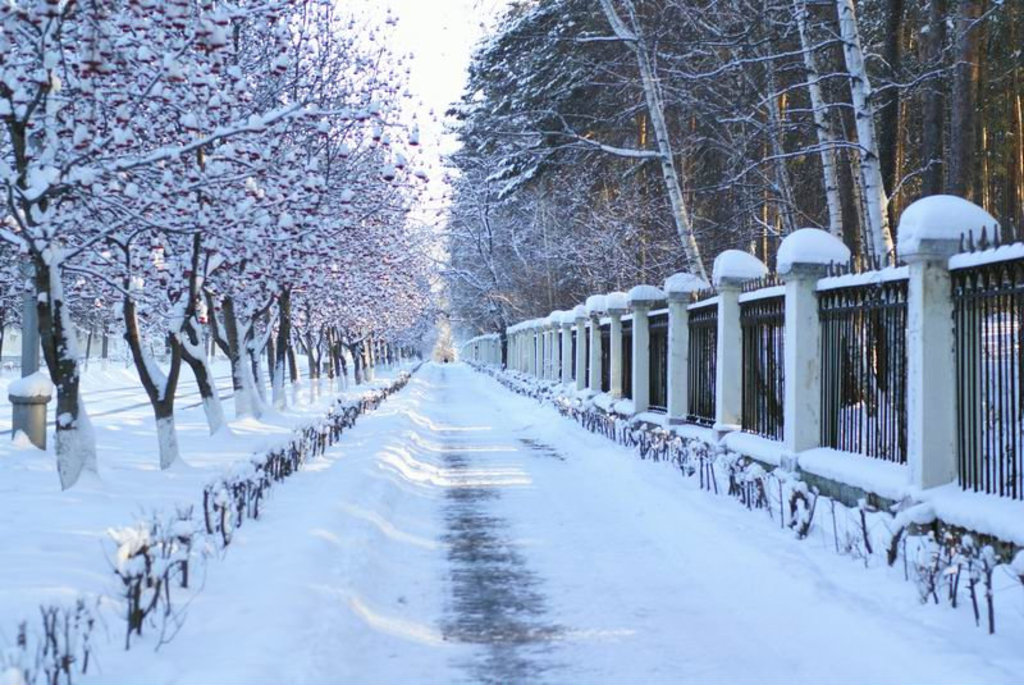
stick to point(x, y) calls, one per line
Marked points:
point(864, 369)
point(658, 372)
point(762, 322)
point(572, 360)
point(627, 359)
point(606, 366)
point(988, 318)
point(702, 366)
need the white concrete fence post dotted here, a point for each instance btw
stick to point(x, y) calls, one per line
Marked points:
point(678, 290)
point(616, 306)
point(731, 270)
point(567, 360)
point(803, 258)
point(595, 307)
point(580, 315)
point(641, 299)
point(929, 234)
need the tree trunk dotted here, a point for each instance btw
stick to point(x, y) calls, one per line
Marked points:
point(822, 125)
point(932, 154)
point(878, 234)
point(76, 443)
point(284, 337)
point(656, 109)
point(889, 110)
point(159, 388)
point(241, 369)
point(962, 141)
point(193, 352)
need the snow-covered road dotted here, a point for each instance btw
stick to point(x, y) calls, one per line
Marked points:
point(464, 534)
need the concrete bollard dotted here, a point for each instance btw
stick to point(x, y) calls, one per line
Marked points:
point(29, 397)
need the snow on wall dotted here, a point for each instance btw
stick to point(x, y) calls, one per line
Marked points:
point(810, 246)
point(891, 273)
point(942, 217)
point(1003, 253)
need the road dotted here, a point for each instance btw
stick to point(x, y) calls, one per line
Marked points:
point(464, 534)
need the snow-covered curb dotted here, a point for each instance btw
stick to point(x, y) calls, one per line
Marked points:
point(155, 558)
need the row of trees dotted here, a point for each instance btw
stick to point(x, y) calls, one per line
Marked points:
point(610, 142)
point(179, 169)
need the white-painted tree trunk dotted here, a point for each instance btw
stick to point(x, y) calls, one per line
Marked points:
point(822, 125)
point(879, 235)
point(167, 438)
point(76, 449)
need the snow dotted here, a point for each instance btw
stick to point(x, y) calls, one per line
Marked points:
point(763, 293)
point(736, 265)
point(890, 273)
point(55, 542)
point(885, 478)
point(998, 516)
point(810, 246)
point(942, 218)
point(596, 304)
point(645, 294)
point(616, 300)
point(378, 562)
point(34, 385)
point(684, 283)
point(709, 302)
point(1003, 253)
point(579, 312)
point(754, 446)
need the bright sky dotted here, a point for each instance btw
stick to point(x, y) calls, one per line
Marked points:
point(441, 34)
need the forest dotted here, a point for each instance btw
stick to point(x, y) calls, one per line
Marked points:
point(612, 142)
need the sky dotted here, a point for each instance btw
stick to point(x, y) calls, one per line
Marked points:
point(441, 35)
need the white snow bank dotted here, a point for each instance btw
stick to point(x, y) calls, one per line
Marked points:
point(596, 304)
point(684, 283)
point(616, 300)
point(737, 265)
point(755, 446)
point(645, 293)
point(34, 385)
point(811, 246)
point(942, 217)
point(997, 516)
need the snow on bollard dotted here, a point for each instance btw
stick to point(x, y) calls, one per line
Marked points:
point(29, 396)
point(930, 231)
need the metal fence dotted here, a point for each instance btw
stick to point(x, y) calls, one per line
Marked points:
point(703, 356)
point(864, 369)
point(988, 318)
point(627, 359)
point(658, 356)
point(762, 322)
point(573, 335)
point(606, 366)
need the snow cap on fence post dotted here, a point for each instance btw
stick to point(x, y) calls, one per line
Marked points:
point(679, 288)
point(732, 268)
point(931, 228)
point(930, 231)
point(735, 267)
point(579, 313)
point(596, 305)
point(803, 258)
